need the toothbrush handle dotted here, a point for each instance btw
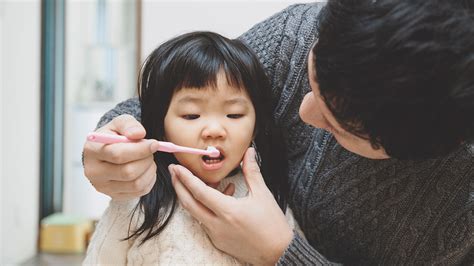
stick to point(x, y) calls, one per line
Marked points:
point(164, 146)
point(167, 146)
point(106, 138)
point(171, 147)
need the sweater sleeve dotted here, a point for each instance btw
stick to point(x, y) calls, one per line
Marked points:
point(130, 107)
point(300, 252)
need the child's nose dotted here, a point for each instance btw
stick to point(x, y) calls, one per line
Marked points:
point(214, 129)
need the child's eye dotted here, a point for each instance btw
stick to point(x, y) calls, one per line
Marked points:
point(190, 117)
point(235, 116)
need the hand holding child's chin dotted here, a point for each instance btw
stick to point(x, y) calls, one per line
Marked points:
point(121, 170)
point(253, 228)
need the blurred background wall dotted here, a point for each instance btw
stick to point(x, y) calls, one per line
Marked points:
point(20, 125)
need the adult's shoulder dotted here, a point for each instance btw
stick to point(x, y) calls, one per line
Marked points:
point(304, 10)
point(281, 43)
point(266, 37)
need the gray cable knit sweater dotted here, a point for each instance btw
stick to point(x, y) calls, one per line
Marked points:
point(355, 210)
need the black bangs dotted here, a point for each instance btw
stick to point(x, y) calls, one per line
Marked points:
point(196, 59)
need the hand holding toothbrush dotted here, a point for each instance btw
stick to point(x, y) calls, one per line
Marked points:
point(125, 170)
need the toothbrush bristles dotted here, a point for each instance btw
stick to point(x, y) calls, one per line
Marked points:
point(213, 151)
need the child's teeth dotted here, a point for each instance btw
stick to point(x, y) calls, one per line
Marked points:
point(211, 161)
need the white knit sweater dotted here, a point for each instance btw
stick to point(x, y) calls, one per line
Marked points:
point(183, 241)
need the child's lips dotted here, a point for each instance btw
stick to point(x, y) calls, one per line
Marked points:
point(210, 163)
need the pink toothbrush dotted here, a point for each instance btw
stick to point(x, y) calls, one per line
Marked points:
point(164, 146)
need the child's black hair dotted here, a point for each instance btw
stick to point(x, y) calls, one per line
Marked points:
point(195, 60)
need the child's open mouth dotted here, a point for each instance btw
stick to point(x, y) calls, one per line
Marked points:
point(209, 160)
point(213, 163)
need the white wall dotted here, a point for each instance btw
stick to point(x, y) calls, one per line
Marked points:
point(19, 134)
point(163, 20)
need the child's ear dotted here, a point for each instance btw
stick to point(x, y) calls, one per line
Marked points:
point(255, 131)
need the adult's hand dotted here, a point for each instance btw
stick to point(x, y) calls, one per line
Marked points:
point(253, 228)
point(121, 170)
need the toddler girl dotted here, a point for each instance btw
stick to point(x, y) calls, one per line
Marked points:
point(197, 90)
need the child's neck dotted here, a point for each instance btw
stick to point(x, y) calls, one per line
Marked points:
point(232, 173)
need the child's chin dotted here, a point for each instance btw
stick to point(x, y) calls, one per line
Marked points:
point(212, 180)
point(212, 177)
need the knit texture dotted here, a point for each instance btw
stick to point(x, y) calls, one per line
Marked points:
point(354, 210)
point(182, 242)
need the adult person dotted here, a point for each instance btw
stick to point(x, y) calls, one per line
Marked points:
point(384, 174)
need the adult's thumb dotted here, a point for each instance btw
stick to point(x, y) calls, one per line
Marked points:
point(251, 170)
point(128, 126)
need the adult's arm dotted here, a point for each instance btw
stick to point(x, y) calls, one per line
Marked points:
point(128, 107)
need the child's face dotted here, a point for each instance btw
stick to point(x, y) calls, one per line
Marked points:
point(222, 117)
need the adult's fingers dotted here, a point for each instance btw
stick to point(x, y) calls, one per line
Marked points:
point(126, 125)
point(211, 198)
point(194, 207)
point(141, 185)
point(124, 190)
point(119, 172)
point(120, 153)
point(251, 171)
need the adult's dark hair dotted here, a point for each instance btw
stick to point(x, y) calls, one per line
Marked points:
point(195, 60)
point(399, 73)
